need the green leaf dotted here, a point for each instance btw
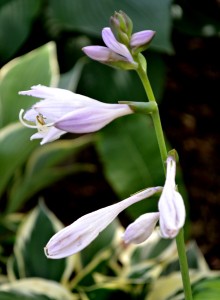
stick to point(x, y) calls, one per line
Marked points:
point(14, 150)
point(16, 18)
point(154, 248)
point(131, 159)
point(34, 289)
point(103, 293)
point(29, 259)
point(18, 295)
point(91, 16)
point(37, 67)
point(208, 288)
point(70, 79)
point(45, 167)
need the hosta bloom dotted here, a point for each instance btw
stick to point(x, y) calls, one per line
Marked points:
point(82, 232)
point(171, 205)
point(116, 53)
point(63, 111)
point(140, 230)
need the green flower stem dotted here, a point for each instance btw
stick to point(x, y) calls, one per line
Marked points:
point(183, 265)
point(163, 152)
point(155, 115)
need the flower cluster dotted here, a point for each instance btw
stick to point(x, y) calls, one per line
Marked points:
point(83, 231)
point(120, 52)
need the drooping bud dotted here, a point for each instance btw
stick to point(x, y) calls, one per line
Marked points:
point(171, 204)
point(141, 229)
point(83, 231)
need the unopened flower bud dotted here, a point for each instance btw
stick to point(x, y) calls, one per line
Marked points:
point(83, 231)
point(171, 205)
point(141, 229)
point(121, 23)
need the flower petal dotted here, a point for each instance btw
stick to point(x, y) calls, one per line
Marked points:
point(91, 119)
point(141, 38)
point(114, 45)
point(45, 92)
point(97, 52)
point(51, 135)
point(57, 94)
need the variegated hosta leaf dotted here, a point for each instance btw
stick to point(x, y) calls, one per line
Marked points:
point(13, 151)
point(36, 67)
point(35, 289)
point(29, 259)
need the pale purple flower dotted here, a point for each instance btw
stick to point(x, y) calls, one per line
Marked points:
point(82, 232)
point(63, 111)
point(141, 39)
point(140, 230)
point(171, 205)
point(115, 52)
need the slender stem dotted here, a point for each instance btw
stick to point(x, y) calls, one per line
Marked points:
point(163, 152)
point(155, 115)
point(183, 265)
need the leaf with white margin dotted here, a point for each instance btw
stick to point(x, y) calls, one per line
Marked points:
point(35, 289)
point(29, 259)
point(39, 66)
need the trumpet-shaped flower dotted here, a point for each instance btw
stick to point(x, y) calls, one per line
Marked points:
point(63, 111)
point(140, 230)
point(82, 232)
point(171, 205)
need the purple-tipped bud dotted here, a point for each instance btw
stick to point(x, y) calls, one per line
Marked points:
point(141, 40)
point(121, 23)
point(128, 23)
